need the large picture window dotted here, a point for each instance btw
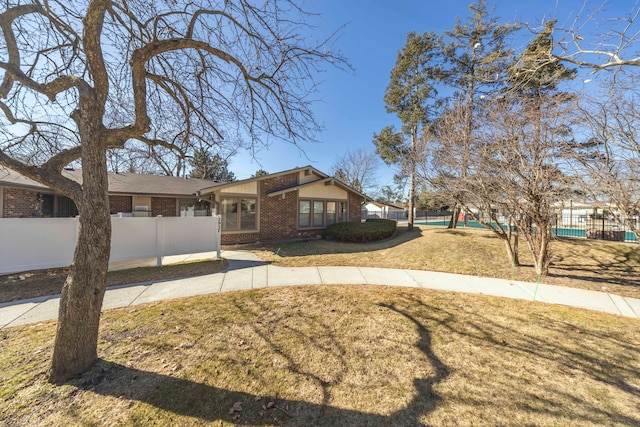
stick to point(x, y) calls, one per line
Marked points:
point(321, 213)
point(238, 213)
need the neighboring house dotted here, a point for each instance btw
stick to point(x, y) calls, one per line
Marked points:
point(296, 203)
point(129, 193)
point(383, 210)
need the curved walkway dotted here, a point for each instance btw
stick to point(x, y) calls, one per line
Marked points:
point(246, 271)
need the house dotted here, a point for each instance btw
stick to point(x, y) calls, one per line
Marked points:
point(297, 203)
point(129, 193)
point(383, 210)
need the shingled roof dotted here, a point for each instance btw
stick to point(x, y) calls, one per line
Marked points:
point(121, 183)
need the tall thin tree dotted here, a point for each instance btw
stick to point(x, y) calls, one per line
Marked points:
point(411, 95)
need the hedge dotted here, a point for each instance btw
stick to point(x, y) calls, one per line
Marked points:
point(357, 232)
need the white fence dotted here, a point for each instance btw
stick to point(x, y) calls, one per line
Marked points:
point(36, 243)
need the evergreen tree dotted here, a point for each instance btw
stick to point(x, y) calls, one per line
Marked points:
point(476, 56)
point(411, 95)
point(207, 166)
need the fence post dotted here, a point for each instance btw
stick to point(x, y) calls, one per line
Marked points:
point(159, 241)
point(218, 229)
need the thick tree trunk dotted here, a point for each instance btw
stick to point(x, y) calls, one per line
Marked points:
point(541, 260)
point(516, 256)
point(412, 181)
point(453, 223)
point(75, 347)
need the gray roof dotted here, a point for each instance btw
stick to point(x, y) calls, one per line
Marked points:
point(120, 183)
point(160, 185)
point(11, 178)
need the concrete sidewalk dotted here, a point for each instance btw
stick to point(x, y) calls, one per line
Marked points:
point(246, 271)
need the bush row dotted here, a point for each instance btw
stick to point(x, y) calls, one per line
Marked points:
point(356, 232)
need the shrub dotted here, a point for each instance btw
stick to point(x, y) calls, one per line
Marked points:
point(356, 232)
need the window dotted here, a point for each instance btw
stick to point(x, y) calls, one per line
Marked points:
point(318, 214)
point(66, 207)
point(57, 206)
point(331, 213)
point(194, 208)
point(248, 214)
point(238, 213)
point(303, 214)
point(343, 215)
point(321, 213)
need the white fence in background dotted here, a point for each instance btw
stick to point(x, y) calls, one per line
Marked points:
point(36, 243)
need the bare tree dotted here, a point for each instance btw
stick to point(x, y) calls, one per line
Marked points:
point(81, 78)
point(520, 166)
point(480, 193)
point(598, 40)
point(513, 157)
point(358, 168)
point(609, 157)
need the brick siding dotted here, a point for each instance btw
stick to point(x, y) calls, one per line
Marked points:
point(120, 204)
point(355, 207)
point(165, 206)
point(20, 203)
point(277, 215)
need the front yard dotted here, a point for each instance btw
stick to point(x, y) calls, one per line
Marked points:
point(335, 356)
point(350, 355)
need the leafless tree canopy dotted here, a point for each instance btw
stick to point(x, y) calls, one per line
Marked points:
point(358, 168)
point(598, 39)
point(167, 74)
point(81, 78)
point(609, 155)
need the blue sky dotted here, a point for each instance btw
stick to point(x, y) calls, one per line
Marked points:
point(351, 107)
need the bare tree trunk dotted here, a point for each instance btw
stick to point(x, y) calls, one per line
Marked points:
point(516, 257)
point(541, 259)
point(412, 181)
point(75, 347)
point(453, 223)
point(510, 252)
point(412, 196)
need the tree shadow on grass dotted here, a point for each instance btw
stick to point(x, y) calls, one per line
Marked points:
point(501, 364)
point(185, 397)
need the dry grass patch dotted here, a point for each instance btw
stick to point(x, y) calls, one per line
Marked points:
point(335, 356)
point(587, 264)
point(32, 284)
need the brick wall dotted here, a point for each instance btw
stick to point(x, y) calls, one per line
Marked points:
point(229, 239)
point(165, 206)
point(277, 215)
point(120, 204)
point(20, 203)
point(355, 207)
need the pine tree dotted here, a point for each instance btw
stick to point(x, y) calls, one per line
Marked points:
point(476, 56)
point(411, 95)
point(206, 166)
